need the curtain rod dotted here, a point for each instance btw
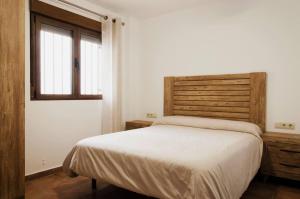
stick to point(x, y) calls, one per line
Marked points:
point(114, 21)
point(105, 17)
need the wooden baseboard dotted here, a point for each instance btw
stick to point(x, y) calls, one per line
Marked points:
point(43, 173)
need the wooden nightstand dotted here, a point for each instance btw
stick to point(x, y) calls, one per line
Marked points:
point(281, 155)
point(136, 124)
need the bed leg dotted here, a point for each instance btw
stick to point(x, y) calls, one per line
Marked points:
point(94, 184)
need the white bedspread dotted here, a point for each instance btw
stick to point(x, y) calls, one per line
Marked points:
point(171, 161)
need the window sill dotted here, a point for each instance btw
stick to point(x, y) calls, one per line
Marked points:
point(61, 98)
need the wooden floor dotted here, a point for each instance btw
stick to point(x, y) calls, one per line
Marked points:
point(59, 186)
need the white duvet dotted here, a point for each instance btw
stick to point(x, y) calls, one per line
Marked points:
point(179, 157)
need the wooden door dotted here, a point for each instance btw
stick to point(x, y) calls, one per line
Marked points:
point(12, 99)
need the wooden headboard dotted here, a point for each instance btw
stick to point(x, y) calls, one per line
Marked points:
point(233, 97)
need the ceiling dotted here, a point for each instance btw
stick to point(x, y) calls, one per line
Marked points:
point(145, 8)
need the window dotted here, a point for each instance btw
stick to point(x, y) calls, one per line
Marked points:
point(66, 60)
point(55, 61)
point(90, 51)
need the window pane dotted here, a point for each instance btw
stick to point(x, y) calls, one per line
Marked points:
point(90, 66)
point(56, 60)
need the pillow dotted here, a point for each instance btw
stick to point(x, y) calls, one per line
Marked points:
point(208, 123)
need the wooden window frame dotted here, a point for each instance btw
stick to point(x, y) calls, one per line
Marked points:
point(76, 31)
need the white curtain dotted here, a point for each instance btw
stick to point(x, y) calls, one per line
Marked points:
point(111, 84)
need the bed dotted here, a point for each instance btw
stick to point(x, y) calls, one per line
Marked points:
point(207, 146)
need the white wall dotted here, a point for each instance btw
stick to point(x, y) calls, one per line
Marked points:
point(53, 127)
point(220, 37)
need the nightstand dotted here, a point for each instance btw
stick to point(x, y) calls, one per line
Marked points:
point(136, 124)
point(281, 155)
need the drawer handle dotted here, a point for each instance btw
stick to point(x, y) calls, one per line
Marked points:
point(289, 151)
point(288, 165)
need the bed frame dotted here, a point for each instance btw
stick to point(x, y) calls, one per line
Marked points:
point(239, 97)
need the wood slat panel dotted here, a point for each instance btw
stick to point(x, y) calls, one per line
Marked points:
point(235, 119)
point(235, 97)
point(213, 93)
point(212, 103)
point(225, 118)
point(213, 109)
point(12, 100)
point(213, 77)
point(168, 95)
point(212, 114)
point(258, 99)
point(214, 98)
point(213, 82)
point(213, 88)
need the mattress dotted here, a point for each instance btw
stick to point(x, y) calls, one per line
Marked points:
point(177, 158)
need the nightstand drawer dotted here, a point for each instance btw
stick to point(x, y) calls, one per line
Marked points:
point(286, 167)
point(285, 156)
point(136, 124)
point(285, 146)
point(130, 126)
